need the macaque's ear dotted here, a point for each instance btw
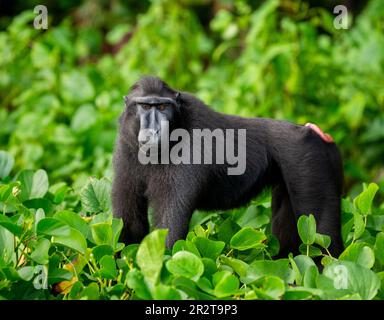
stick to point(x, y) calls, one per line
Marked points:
point(178, 99)
point(126, 100)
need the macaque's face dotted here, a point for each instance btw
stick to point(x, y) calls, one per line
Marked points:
point(151, 113)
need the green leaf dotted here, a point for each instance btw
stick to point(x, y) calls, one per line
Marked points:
point(225, 284)
point(9, 225)
point(150, 255)
point(209, 248)
point(26, 273)
point(59, 274)
point(364, 200)
point(84, 118)
point(248, 238)
point(108, 268)
point(117, 227)
point(310, 277)
point(52, 227)
point(269, 288)
point(102, 233)
point(76, 87)
point(73, 220)
point(95, 196)
point(101, 251)
point(353, 278)
point(303, 263)
point(323, 240)
point(33, 184)
point(240, 267)
point(359, 253)
point(359, 225)
point(74, 240)
point(311, 250)
point(165, 292)
point(379, 247)
point(185, 264)
point(278, 268)
point(306, 226)
point(227, 229)
point(183, 245)
point(135, 280)
point(40, 252)
point(129, 252)
point(6, 164)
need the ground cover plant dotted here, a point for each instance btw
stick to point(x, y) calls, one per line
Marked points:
point(61, 93)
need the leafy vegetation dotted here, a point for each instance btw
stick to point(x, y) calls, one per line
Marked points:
point(60, 96)
point(51, 251)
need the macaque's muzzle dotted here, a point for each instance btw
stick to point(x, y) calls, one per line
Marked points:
point(150, 127)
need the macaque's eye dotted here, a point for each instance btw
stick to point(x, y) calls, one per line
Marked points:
point(161, 107)
point(146, 106)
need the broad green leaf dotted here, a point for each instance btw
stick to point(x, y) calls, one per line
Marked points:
point(310, 277)
point(303, 263)
point(95, 196)
point(102, 233)
point(379, 247)
point(26, 273)
point(90, 292)
point(240, 267)
point(165, 292)
point(199, 217)
point(247, 238)
point(189, 287)
point(323, 240)
point(40, 252)
point(117, 227)
point(209, 248)
point(9, 225)
point(150, 255)
point(306, 226)
point(359, 253)
point(185, 264)
point(101, 251)
point(185, 245)
point(225, 284)
point(7, 248)
point(52, 227)
point(353, 278)
point(108, 268)
point(129, 252)
point(364, 200)
point(269, 288)
point(227, 229)
point(84, 118)
point(278, 268)
point(76, 87)
point(74, 240)
point(6, 164)
point(311, 250)
point(73, 220)
point(59, 274)
point(359, 225)
point(33, 184)
point(135, 280)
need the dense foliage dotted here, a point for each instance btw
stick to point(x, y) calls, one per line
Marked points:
point(61, 93)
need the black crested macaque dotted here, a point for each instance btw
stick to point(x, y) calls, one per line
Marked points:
point(301, 164)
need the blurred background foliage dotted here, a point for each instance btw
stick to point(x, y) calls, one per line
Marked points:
point(61, 89)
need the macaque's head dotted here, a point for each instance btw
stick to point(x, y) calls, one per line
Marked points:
point(150, 105)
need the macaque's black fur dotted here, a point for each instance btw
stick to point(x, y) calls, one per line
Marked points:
point(305, 174)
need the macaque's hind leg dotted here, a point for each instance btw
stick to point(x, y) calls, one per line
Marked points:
point(284, 222)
